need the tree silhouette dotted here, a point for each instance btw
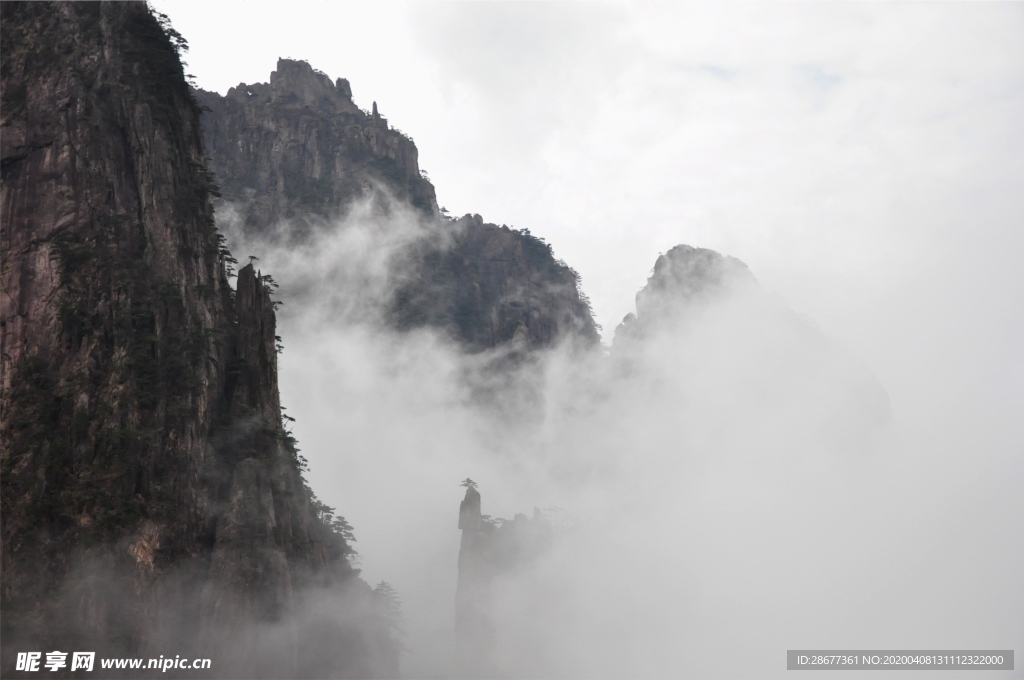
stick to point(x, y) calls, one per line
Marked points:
point(468, 483)
point(391, 606)
point(389, 609)
point(340, 526)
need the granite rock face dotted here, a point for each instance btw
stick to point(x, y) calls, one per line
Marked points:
point(297, 147)
point(489, 286)
point(150, 496)
point(295, 153)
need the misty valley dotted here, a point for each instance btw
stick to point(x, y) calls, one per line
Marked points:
point(267, 403)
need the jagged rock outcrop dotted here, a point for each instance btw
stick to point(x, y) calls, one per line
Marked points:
point(489, 548)
point(682, 277)
point(297, 147)
point(150, 497)
point(295, 152)
point(488, 285)
point(471, 592)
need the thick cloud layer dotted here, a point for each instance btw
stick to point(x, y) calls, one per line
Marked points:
point(734, 485)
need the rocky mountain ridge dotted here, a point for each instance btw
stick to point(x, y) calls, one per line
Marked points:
point(298, 147)
point(150, 495)
point(295, 153)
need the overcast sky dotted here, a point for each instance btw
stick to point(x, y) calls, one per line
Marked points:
point(866, 160)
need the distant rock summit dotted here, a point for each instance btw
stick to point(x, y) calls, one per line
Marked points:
point(705, 314)
point(683, 276)
point(296, 152)
point(492, 286)
point(297, 148)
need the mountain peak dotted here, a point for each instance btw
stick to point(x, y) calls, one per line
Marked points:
point(681, 276)
point(296, 83)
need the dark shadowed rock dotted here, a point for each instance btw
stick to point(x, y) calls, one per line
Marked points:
point(297, 147)
point(151, 500)
point(292, 155)
point(488, 285)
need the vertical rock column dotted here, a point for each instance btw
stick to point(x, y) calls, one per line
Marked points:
point(472, 622)
point(248, 599)
point(113, 297)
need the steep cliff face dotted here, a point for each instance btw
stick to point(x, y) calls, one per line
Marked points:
point(150, 496)
point(113, 290)
point(296, 152)
point(297, 147)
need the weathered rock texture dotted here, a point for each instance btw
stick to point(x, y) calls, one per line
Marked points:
point(150, 499)
point(488, 285)
point(297, 147)
point(297, 152)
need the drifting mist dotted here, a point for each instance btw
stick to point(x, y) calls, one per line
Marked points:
point(735, 481)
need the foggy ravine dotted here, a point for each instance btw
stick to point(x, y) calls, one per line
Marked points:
point(729, 501)
point(806, 433)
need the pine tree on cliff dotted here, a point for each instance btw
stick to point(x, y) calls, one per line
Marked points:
point(149, 493)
